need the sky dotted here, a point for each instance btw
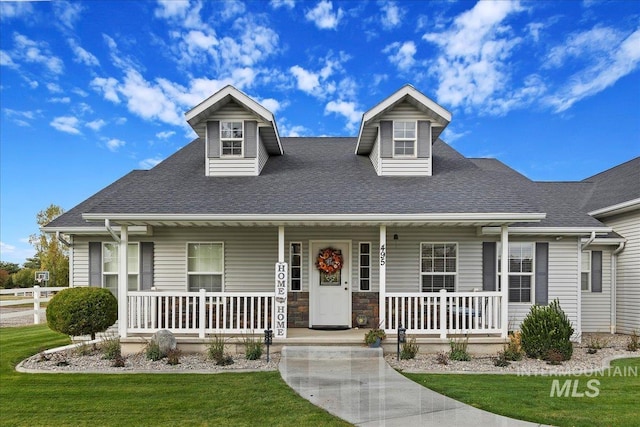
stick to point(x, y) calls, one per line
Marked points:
point(91, 90)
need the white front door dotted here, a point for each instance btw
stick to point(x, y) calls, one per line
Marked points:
point(330, 296)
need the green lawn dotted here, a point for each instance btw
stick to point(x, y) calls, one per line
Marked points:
point(528, 398)
point(247, 399)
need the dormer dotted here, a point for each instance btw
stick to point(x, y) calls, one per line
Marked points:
point(397, 134)
point(239, 133)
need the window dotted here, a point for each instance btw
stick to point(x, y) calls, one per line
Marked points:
point(520, 271)
point(585, 271)
point(110, 262)
point(205, 266)
point(364, 259)
point(438, 266)
point(231, 137)
point(295, 263)
point(404, 139)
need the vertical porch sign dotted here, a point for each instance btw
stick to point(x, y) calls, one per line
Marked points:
point(280, 304)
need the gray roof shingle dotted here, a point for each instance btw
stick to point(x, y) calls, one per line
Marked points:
point(324, 176)
point(616, 185)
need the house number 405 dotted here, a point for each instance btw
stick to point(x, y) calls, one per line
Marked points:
point(383, 255)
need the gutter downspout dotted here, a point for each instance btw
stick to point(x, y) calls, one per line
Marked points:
point(111, 231)
point(61, 239)
point(590, 241)
point(614, 283)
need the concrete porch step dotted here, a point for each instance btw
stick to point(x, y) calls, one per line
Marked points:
point(320, 352)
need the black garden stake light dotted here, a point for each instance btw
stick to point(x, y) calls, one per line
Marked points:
point(268, 340)
point(402, 337)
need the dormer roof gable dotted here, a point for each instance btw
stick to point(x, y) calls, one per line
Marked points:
point(198, 115)
point(439, 116)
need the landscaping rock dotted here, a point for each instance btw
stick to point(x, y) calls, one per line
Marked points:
point(165, 339)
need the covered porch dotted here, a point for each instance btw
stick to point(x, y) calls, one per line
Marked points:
point(202, 314)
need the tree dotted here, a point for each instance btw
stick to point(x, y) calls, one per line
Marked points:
point(82, 311)
point(4, 278)
point(9, 267)
point(24, 278)
point(53, 255)
point(32, 263)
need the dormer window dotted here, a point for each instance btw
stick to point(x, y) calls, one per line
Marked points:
point(231, 139)
point(404, 139)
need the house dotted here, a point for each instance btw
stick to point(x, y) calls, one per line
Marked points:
point(243, 230)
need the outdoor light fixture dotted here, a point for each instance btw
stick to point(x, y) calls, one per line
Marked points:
point(395, 237)
point(361, 320)
point(268, 340)
point(402, 337)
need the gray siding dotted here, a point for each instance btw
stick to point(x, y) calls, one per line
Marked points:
point(403, 256)
point(250, 139)
point(628, 272)
point(596, 306)
point(213, 139)
point(374, 156)
point(263, 156)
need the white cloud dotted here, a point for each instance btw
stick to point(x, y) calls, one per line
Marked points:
point(165, 134)
point(231, 8)
point(15, 9)
point(79, 92)
point(472, 67)
point(293, 130)
point(185, 13)
point(277, 4)
point(54, 88)
point(323, 15)
point(66, 124)
point(401, 55)
point(450, 135)
point(271, 104)
point(67, 13)
point(148, 101)
point(60, 100)
point(391, 15)
point(96, 124)
point(38, 53)
point(306, 81)
point(608, 59)
point(114, 144)
point(346, 109)
point(149, 163)
point(5, 59)
point(202, 41)
point(6, 248)
point(83, 56)
point(107, 86)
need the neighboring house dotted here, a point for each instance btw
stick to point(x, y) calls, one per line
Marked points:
point(242, 230)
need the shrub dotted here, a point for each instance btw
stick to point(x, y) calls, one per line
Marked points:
point(547, 328)
point(152, 351)
point(409, 349)
point(216, 352)
point(252, 347)
point(84, 349)
point(372, 335)
point(459, 350)
point(118, 361)
point(173, 356)
point(501, 360)
point(442, 358)
point(634, 341)
point(595, 343)
point(110, 348)
point(82, 311)
point(513, 350)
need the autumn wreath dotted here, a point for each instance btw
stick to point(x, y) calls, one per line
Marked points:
point(329, 260)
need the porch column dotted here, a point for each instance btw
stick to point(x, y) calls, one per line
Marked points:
point(281, 243)
point(123, 279)
point(383, 277)
point(279, 315)
point(504, 279)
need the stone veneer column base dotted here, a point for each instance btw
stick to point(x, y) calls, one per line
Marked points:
point(365, 303)
point(298, 310)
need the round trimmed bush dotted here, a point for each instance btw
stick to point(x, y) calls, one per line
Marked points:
point(546, 333)
point(82, 311)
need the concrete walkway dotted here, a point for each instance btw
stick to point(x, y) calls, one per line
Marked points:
point(357, 385)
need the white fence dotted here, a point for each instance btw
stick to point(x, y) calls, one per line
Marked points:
point(35, 296)
point(199, 312)
point(444, 312)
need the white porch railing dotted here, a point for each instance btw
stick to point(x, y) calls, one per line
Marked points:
point(200, 312)
point(444, 313)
